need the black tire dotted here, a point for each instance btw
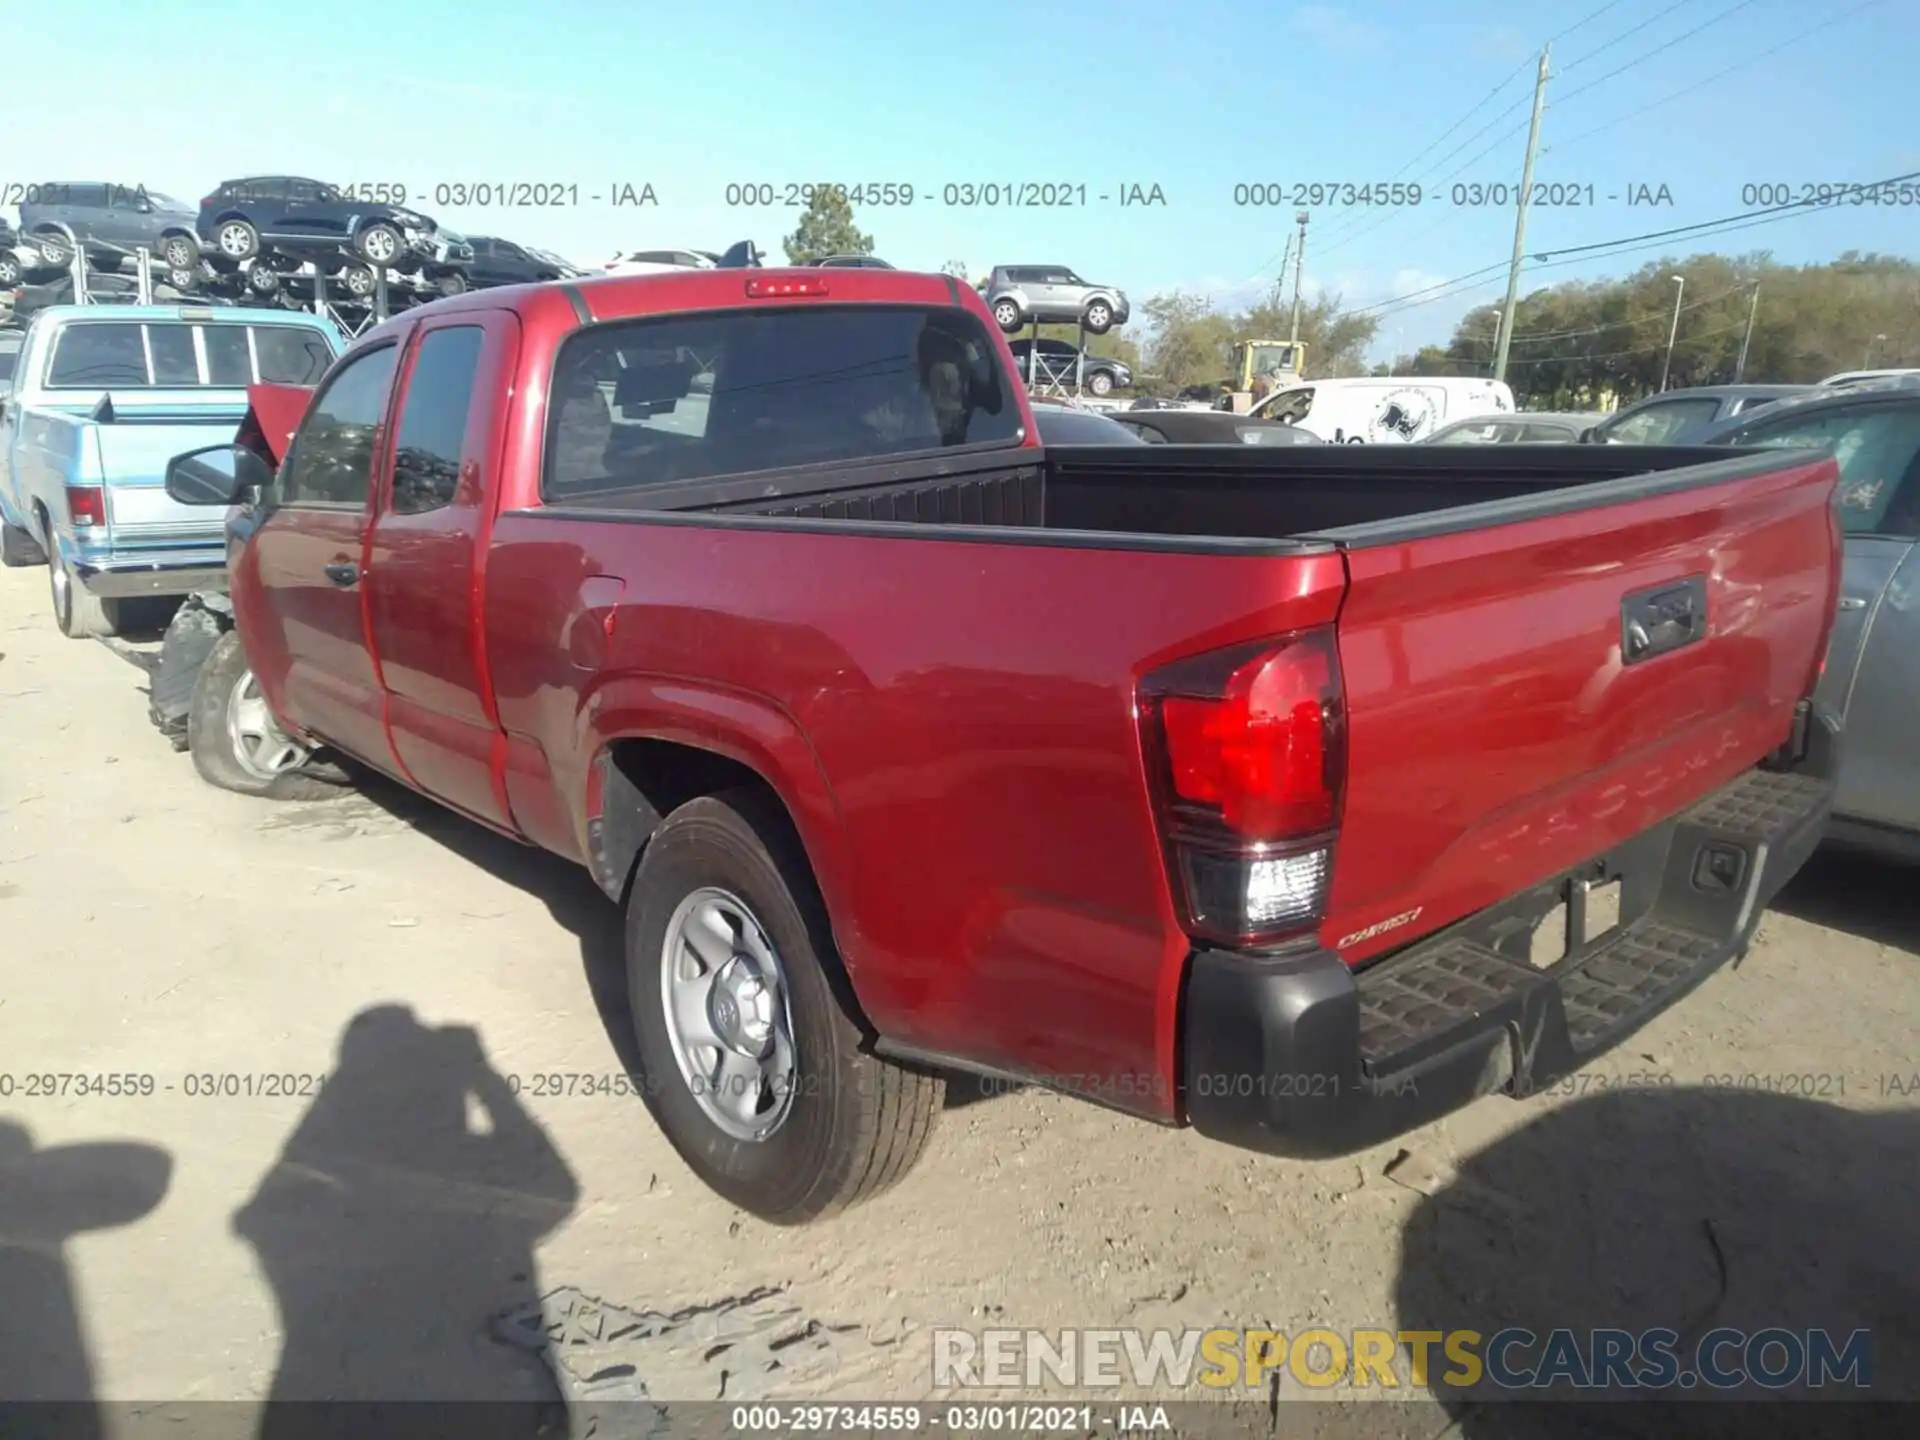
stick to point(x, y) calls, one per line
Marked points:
point(858, 1122)
point(263, 279)
point(452, 283)
point(1098, 319)
point(189, 640)
point(179, 251)
point(380, 244)
point(211, 742)
point(1006, 314)
point(78, 612)
point(1100, 382)
point(18, 548)
point(357, 280)
point(9, 270)
point(236, 239)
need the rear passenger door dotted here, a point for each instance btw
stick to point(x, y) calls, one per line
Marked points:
point(424, 581)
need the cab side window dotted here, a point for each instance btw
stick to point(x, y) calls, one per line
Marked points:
point(331, 464)
point(433, 420)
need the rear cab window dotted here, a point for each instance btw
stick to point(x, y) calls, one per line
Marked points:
point(169, 354)
point(643, 404)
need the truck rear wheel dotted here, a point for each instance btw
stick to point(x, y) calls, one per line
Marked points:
point(235, 741)
point(78, 611)
point(753, 1062)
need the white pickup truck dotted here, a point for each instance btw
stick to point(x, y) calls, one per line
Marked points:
point(100, 399)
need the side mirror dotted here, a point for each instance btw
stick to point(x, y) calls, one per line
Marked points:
point(216, 475)
point(1588, 436)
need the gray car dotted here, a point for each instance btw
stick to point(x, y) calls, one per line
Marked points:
point(1872, 675)
point(1022, 295)
point(1680, 417)
point(1527, 427)
point(110, 221)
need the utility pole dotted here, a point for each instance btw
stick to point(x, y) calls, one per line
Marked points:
point(1520, 220)
point(1753, 307)
point(1299, 263)
point(1673, 332)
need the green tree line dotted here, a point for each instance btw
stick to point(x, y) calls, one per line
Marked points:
point(1583, 343)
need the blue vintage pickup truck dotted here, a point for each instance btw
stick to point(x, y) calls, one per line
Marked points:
point(101, 397)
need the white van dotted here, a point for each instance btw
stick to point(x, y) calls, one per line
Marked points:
point(1387, 409)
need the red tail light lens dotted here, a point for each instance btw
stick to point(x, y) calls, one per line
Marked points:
point(86, 506)
point(1248, 752)
point(1259, 752)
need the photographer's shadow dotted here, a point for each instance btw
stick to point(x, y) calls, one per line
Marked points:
point(1689, 1210)
point(46, 1198)
point(401, 1216)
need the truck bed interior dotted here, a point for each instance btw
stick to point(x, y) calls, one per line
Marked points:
point(1298, 494)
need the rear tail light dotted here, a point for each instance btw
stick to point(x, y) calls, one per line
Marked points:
point(766, 289)
point(1247, 753)
point(86, 506)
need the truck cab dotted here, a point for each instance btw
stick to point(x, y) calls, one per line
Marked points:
point(100, 399)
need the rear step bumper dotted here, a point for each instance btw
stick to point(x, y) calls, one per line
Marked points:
point(1299, 1055)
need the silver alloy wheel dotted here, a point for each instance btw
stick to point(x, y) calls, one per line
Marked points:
point(724, 996)
point(235, 240)
point(260, 746)
point(175, 252)
point(1098, 316)
point(62, 584)
point(358, 280)
point(1006, 314)
point(1100, 382)
point(378, 245)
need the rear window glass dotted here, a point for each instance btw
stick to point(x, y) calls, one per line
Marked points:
point(95, 355)
point(641, 404)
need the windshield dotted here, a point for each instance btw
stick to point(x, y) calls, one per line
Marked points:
point(1273, 360)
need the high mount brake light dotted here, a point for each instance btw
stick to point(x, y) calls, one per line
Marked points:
point(1248, 752)
point(768, 289)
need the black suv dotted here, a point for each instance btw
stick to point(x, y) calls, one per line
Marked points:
point(501, 262)
point(301, 218)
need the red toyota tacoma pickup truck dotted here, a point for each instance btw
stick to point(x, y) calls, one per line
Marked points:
point(1300, 795)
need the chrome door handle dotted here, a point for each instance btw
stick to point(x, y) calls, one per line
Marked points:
point(1852, 602)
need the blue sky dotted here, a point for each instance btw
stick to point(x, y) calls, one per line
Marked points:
point(1194, 98)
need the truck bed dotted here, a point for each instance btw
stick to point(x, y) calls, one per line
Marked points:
point(1294, 500)
point(962, 734)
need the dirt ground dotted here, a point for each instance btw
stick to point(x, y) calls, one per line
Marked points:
point(223, 1242)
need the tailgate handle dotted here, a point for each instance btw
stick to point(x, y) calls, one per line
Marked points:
point(342, 572)
point(1654, 622)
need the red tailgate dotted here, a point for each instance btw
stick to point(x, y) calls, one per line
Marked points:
point(1498, 732)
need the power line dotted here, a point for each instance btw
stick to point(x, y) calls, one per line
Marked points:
point(1635, 350)
point(1581, 24)
point(1718, 75)
point(1619, 324)
point(1624, 35)
point(1737, 6)
point(1334, 234)
point(1548, 258)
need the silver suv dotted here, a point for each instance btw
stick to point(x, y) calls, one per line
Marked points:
point(1022, 294)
